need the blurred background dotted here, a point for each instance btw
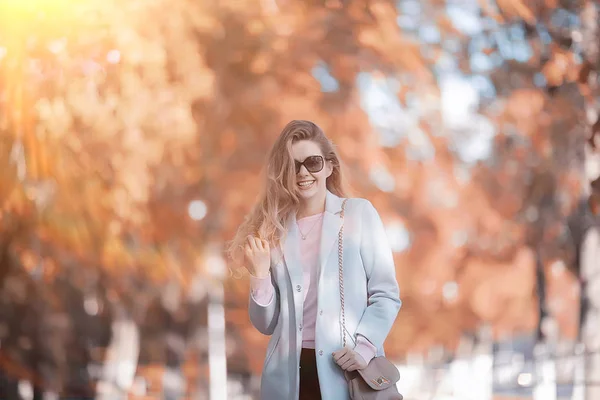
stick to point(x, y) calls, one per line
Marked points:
point(132, 134)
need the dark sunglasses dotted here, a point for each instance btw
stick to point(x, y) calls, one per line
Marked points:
point(313, 164)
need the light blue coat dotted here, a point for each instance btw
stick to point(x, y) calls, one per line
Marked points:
point(371, 299)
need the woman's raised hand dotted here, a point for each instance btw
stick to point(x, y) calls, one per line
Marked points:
point(257, 254)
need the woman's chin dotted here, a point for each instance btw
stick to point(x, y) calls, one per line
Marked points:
point(308, 194)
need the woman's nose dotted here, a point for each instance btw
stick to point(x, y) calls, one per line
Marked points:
point(303, 170)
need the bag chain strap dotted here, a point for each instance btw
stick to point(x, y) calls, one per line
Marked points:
point(341, 271)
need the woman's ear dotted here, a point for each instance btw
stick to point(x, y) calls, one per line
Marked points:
point(329, 168)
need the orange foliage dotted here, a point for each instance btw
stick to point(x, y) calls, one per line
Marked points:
point(101, 153)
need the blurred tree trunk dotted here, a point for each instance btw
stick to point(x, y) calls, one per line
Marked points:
point(590, 277)
point(121, 359)
point(590, 247)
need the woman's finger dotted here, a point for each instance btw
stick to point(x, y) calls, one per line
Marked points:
point(253, 243)
point(347, 364)
point(352, 367)
point(344, 358)
point(259, 244)
point(338, 354)
point(265, 243)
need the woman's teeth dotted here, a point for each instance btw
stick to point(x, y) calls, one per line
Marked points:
point(305, 185)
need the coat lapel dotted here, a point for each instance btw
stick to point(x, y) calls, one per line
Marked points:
point(331, 227)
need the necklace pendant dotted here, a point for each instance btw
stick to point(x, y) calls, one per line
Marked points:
point(303, 237)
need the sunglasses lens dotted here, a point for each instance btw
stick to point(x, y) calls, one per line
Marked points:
point(314, 164)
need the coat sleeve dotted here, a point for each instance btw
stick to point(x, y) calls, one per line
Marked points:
point(382, 287)
point(264, 317)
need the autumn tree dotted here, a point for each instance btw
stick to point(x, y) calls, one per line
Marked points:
point(112, 126)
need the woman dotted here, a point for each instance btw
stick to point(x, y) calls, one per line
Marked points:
point(289, 245)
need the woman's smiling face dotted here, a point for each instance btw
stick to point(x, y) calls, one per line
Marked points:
point(310, 184)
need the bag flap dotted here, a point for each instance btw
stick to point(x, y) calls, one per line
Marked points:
point(380, 373)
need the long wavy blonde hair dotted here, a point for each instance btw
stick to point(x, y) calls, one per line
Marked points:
point(279, 196)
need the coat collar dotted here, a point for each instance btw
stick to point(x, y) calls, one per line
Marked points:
point(329, 234)
point(331, 227)
point(333, 203)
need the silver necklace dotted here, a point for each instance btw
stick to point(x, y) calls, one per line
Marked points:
point(304, 236)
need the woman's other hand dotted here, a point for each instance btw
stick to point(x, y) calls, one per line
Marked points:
point(349, 360)
point(257, 255)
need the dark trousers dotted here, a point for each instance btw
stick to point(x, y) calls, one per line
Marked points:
point(309, 380)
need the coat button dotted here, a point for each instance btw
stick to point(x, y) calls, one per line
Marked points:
point(298, 288)
point(300, 328)
point(321, 312)
point(320, 352)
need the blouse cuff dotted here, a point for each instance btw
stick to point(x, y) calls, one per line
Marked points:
point(261, 290)
point(365, 348)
